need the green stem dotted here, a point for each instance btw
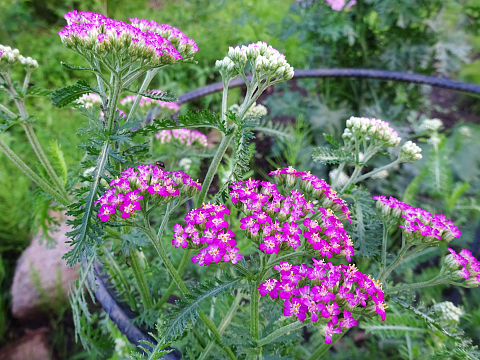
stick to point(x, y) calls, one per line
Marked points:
point(244, 271)
point(254, 315)
point(375, 171)
point(211, 326)
point(384, 247)
point(439, 279)
point(223, 325)
point(225, 102)
point(148, 78)
point(337, 175)
point(32, 175)
point(212, 170)
point(384, 274)
point(25, 82)
point(8, 112)
point(113, 103)
point(141, 279)
point(282, 331)
point(171, 287)
point(43, 159)
point(116, 268)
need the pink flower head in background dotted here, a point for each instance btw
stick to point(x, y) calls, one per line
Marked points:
point(418, 224)
point(323, 297)
point(145, 182)
point(183, 136)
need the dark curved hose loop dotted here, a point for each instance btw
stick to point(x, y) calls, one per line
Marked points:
point(109, 303)
point(342, 73)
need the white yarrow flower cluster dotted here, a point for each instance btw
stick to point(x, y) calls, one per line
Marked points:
point(410, 152)
point(450, 313)
point(10, 57)
point(254, 110)
point(266, 62)
point(371, 130)
point(431, 125)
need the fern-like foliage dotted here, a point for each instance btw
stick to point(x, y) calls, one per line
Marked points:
point(277, 129)
point(367, 229)
point(88, 229)
point(167, 97)
point(187, 309)
point(191, 119)
point(68, 94)
point(326, 155)
point(153, 351)
point(10, 121)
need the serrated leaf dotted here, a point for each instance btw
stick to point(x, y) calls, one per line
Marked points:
point(167, 97)
point(133, 240)
point(68, 94)
point(85, 230)
point(74, 67)
point(191, 119)
point(39, 91)
point(331, 156)
point(190, 311)
point(331, 140)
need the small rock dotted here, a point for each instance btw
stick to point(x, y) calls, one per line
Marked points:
point(33, 346)
point(42, 278)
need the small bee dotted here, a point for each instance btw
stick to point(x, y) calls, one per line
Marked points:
point(160, 164)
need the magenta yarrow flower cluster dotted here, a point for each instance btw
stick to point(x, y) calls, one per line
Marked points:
point(314, 187)
point(206, 228)
point(97, 33)
point(186, 46)
point(464, 265)
point(419, 226)
point(324, 293)
point(274, 221)
point(183, 136)
point(148, 103)
point(147, 182)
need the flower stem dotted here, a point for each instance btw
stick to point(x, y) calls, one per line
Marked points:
point(439, 279)
point(375, 171)
point(118, 272)
point(223, 325)
point(212, 170)
point(171, 287)
point(279, 332)
point(140, 279)
point(25, 82)
point(45, 186)
point(112, 105)
point(384, 247)
point(43, 159)
point(148, 78)
point(8, 112)
point(157, 243)
point(254, 315)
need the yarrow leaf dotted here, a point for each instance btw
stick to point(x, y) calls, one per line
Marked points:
point(191, 119)
point(68, 94)
point(164, 96)
point(39, 91)
point(331, 156)
point(331, 140)
point(189, 311)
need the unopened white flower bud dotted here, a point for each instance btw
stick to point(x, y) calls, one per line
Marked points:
point(431, 125)
point(410, 152)
point(381, 175)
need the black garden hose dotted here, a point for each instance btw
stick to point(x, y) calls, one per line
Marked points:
point(342, 73)
point(109, 303)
